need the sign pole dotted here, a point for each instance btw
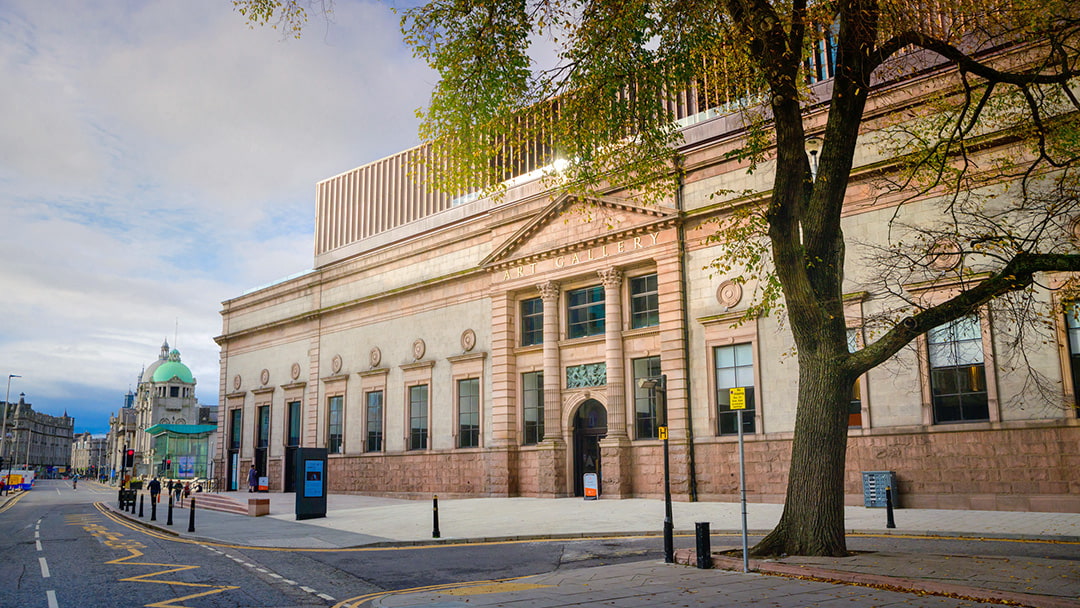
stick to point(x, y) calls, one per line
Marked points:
point(737, 402)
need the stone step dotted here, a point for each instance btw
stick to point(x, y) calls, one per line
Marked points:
point(217, 502)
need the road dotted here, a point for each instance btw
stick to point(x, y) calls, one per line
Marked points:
point(58, 550)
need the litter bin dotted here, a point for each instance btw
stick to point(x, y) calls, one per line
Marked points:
point(874, 484)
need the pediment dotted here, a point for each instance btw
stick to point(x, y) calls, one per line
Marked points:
point(570, 223)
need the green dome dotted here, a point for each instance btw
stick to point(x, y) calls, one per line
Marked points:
point(167, 370)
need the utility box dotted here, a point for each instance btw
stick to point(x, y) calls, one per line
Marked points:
point(874, 484)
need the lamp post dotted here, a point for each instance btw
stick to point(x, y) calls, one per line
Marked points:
point(3, 434)
point(658, 386)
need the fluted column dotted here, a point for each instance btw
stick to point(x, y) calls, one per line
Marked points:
point(549, 293)
point(613, 349)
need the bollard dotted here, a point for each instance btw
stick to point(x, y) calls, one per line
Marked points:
point(435, 516)
point(704, 545)
point(191, 514)
point(120, 497)
point(153, 510)
point(168, 520)
point(889, 521)
point(142, 503)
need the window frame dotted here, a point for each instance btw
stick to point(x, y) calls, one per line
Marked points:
point(262, 426)
point(289, 403)
point(645, 397)
point(644, 305)
point(589, 317)
point(534, 435)
point(471, 437)
point(339, 400)
point(422, 407)
point(236, 428)
point(374, 440)
point(934, 372)
point(722, 396)
point(532, 322)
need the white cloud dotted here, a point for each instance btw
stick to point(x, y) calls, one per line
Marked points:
point(157, 158)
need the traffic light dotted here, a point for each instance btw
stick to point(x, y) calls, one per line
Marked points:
point(129, 458)
point(168, 464)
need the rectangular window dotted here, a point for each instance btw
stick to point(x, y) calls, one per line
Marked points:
point(235, 429)
point(734, 369)
point(418, 417)
point(334, 427)
point(374, 422)
point(585, 312)
point(1072, 324)
point(532, 397)
point(262, 431)
point(645, 415)
point(644, 302)
point(174, 391)
point(468, 413)
point(957, 373)
point(855, 405)
point(292, 431)
point(532, 321)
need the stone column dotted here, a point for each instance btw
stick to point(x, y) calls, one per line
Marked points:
point(552, 450)
point(615, 447)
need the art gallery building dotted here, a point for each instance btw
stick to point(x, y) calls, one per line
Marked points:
point(493, 347)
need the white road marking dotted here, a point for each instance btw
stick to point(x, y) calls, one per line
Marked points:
point(326, 597)
point(38, 543)
point(308, 589)
point(37, 534)
point(44, 567)
point(50, 595)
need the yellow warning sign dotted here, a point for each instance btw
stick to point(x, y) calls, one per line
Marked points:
point(737, 398)
point(663, 432)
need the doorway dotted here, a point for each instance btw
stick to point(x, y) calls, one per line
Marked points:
point(590, 426)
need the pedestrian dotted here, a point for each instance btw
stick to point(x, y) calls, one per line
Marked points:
point(3, 486)
point(187, 489)
point(155, 490)
point(169, 487)
point(75, 483)
point(253, 479)
point(177, 487)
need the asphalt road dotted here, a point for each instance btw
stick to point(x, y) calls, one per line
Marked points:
point(58, 550)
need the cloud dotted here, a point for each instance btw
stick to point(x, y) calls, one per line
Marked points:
point(157, 158)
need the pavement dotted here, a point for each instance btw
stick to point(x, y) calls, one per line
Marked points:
point(861, 579)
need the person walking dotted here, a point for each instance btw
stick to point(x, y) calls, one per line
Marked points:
point(75, 482)
point(155, 490)
point(253, 479)
point(169, 487)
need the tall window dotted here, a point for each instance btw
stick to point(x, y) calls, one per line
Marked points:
point(292, 430)
point(468, 413)
point(532, 321)
point(262, 434)
point(585, 312)
point(734, 369)
point(334, 435)
point(235, 420)
point(855, 405)
point(645, 415)
point(1072, 323)
point(957, 373)
point(532, 397)
point(644, 302)
point(374, 422)
point(418, 417)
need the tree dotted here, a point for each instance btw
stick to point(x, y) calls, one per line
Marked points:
point(604, 112)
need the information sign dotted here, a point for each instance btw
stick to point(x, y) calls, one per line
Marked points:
point(737, 398)
point(311, 471)
point(663, 432)
point(592, 486)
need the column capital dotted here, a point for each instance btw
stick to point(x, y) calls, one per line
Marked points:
point(610, 277)
point(548, 290)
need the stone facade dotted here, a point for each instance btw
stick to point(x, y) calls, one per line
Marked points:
point(426, 354)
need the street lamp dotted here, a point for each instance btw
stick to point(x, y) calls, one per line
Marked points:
point(658, 386)
point(3, 434)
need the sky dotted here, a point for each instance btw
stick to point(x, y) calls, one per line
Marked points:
point(160, 157)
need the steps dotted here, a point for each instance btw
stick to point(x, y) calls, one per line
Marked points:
point(218, 502)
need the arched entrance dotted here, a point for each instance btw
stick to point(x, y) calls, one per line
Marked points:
point(590, 426)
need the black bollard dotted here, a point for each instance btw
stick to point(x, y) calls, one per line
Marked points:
point(120, 497)
point(168, 520)
point(153, 510)
point(704, 545)
point(435, 516)
point(889, 521)
point(191, 514)
point(142, 503)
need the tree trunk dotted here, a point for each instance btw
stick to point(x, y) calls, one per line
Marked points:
point(813, 519)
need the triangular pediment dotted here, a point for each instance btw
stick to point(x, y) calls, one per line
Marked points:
point(572, 222)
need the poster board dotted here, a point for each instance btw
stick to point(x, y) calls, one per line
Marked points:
point(592, 486)
point(311, 483)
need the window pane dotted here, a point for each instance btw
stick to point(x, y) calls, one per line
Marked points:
point(469, 413)
point(532, 322)
point(374, 421)
point(645, 406)
point(644, 302)
point(334, 426)
point(418, 420)
point(957, 374)
point(734, 369)
point(585, 312)
point(533, 405)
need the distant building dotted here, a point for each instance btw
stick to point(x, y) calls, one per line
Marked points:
point(121, 435)
point(38, 441)
point(88, 454)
